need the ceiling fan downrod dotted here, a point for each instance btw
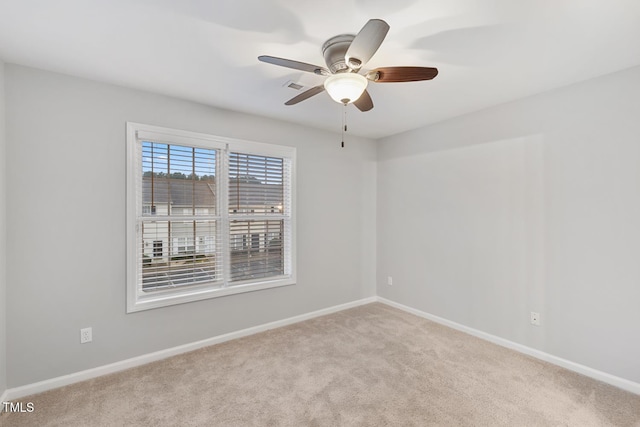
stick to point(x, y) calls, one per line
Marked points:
point(344, 123)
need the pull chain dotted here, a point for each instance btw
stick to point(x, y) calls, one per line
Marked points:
point(344, 123)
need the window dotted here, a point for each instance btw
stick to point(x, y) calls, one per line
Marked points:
point(148, 209)
point(157, 248)
point(206, 216)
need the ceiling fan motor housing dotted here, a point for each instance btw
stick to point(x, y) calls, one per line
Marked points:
point(334, 51)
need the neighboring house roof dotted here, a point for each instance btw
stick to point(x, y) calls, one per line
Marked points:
point(178, 192)
point(185, 192)
point(244, 194)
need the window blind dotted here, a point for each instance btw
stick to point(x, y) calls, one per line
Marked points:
point(259, 216)
point(255, 184)
point(179, 224)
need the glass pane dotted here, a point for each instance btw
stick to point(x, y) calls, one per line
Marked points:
point(255, 184)
point(178, 253)
point(178, 180)
point(256, 249)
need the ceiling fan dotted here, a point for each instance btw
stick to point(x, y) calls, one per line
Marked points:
point(345, 55)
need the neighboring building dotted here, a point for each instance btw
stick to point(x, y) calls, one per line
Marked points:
point(177, 197)
point(255, 238)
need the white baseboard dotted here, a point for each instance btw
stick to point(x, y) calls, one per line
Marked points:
point(39, 387)
point(622, 383)
point(3, 398)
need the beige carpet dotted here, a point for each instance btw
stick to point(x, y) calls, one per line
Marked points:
point(368, 366)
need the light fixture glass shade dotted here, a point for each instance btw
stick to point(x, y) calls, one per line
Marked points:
point(345, 88)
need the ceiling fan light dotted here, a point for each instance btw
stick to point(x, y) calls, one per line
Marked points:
point(345, 88)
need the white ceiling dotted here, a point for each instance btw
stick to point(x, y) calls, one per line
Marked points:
point(488, 52)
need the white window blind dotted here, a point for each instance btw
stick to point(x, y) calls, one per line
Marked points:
point(179, 223)
point(207, 216)
point(259, 214)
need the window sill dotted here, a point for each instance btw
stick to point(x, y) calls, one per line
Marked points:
point(165, 299)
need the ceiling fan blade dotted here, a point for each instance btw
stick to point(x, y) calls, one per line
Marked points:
point(296, 65)
point(364, 103)
point(401, 74)
point(305, 95)
point(366, 43)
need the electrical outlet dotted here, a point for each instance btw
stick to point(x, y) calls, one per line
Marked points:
point(535, 318)
point(85, 335)
point(389, 280)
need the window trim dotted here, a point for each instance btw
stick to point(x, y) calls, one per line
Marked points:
point(136, 301)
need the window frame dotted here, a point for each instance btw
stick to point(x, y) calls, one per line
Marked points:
point(139, 300)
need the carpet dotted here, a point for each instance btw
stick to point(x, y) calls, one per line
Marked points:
point(372, 365)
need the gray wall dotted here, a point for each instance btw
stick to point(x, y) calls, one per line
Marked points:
point(529, 206)
point(66, 211)
point(3, 253)
point(534, 205)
